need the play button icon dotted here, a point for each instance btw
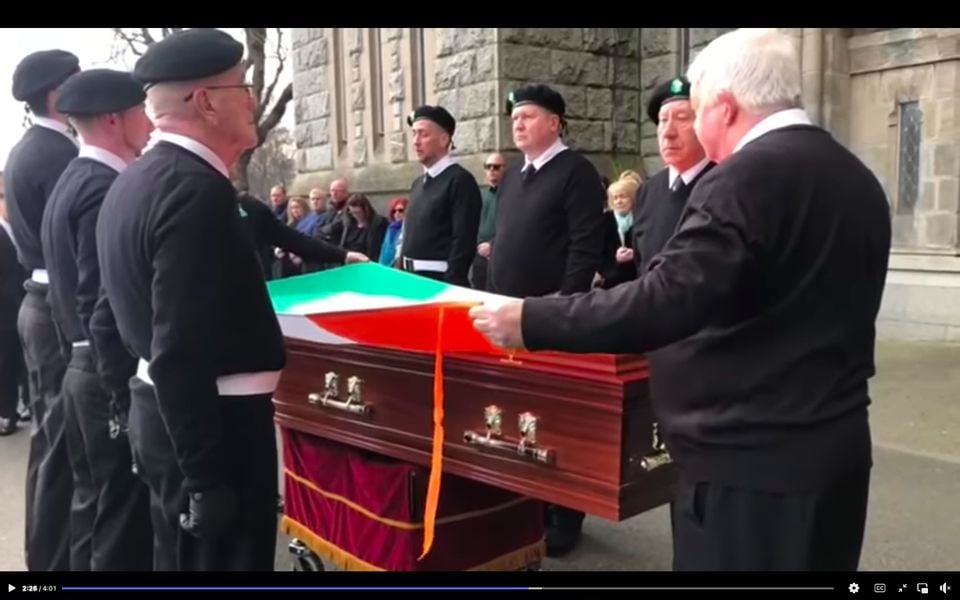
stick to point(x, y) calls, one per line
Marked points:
point(10, 587)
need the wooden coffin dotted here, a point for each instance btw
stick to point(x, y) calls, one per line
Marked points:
point(589, 440)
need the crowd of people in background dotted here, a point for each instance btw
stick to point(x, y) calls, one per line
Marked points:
point(362, 228)
point(345, 220)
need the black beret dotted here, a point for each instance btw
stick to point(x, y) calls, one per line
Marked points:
point(541, 95)
point(42, 71)
point(677, 88)
point(187, 55)
point(99, 92)
point(437, 114)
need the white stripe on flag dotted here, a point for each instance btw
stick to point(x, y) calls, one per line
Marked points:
point(302, 328)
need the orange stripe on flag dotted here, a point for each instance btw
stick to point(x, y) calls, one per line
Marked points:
point(409, 328)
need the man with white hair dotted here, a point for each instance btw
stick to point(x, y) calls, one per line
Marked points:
point(767, 297)
point(189, 299)
point(661, 200)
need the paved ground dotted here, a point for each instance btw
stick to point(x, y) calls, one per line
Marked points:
point(912, 523)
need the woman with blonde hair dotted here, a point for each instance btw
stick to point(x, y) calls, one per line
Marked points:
point(617, 265)
point(633, 175)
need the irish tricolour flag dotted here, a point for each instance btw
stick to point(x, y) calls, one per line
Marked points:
point(381, 307)
point(377, 306)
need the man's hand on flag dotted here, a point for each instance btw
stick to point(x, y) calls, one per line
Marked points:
point(500, 324)
point(355, 257)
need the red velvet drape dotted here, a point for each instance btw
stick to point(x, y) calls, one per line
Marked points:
point(363, 511)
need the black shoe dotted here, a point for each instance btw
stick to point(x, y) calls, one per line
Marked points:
point(25, 415)
point(561, 541)
point(564, 529)
point(8, 426)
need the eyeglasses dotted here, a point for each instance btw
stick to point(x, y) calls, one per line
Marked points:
point(489, 167)
point(247, 86)
point(398, 210)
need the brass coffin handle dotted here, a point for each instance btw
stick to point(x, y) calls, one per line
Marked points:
point(660, 457)
point(526, 447)
point(330, 397)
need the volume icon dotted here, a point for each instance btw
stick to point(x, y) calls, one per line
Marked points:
point(944, 587)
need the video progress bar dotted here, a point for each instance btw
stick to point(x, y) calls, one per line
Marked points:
point(691, 589)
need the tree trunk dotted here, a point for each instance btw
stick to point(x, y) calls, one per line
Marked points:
point(243, 180)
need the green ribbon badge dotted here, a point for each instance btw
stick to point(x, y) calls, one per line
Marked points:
point(243, 213)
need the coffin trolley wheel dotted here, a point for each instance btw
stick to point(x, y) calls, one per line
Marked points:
point(304, 559)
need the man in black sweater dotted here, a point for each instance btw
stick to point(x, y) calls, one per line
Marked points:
point(549, 232)
point(767, 296)
point(440, 228)
point(11, 294)
point(110, 514)
point(32, 170)
point(189, 299)
point(549, 207)
point(661, 199)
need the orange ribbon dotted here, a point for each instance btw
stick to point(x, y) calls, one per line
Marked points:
point(436, 457)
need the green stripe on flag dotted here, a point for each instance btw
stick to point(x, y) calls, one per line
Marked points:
point(366, 279)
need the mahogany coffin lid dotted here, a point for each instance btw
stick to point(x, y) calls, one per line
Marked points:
point(593, 419)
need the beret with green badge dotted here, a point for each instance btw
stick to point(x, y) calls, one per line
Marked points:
point(677, 88)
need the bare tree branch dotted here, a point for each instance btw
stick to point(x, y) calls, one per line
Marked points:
point(130, 39)
point(276, 114)
point(147, 38)
point(271, 163)
point(281, 58)
point(137, 40)
point(256, 42)
point(117, 49)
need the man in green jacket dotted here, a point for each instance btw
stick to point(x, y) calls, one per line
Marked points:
point(493, 171)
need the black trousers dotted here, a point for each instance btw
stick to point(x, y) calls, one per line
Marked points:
point(49, 479)
point(11, 366)
point(250, 543)
point(478, 272)
point(723, 528)
point(110, 526)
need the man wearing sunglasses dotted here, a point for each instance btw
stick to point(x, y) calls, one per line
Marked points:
point(190, 301)
point(493, 172)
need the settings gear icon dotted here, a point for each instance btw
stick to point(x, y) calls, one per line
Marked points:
point(854, 588)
